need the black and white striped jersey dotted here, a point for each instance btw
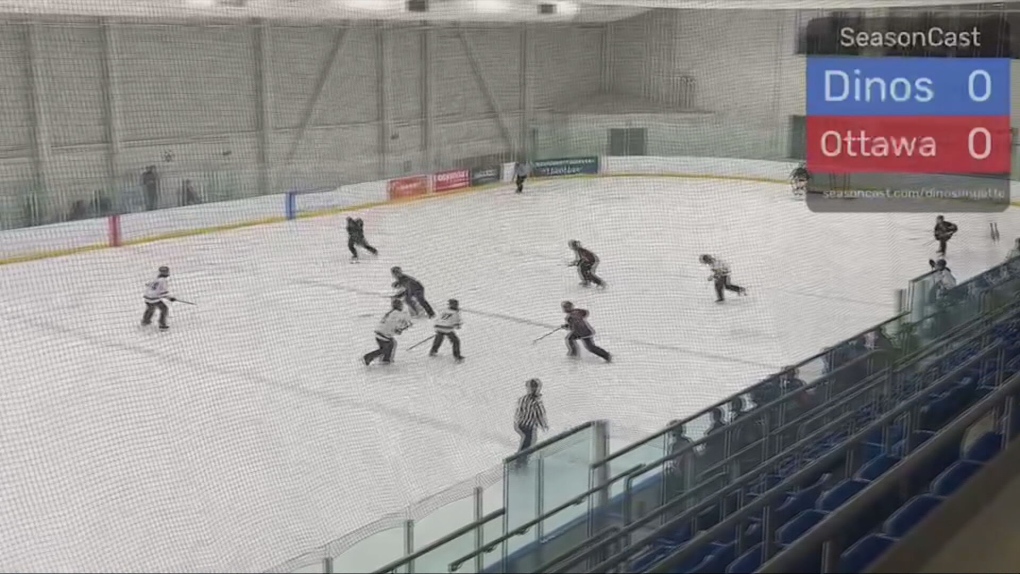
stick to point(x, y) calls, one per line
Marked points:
point(530, 412)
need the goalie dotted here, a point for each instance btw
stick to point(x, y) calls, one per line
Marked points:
point(799, 178)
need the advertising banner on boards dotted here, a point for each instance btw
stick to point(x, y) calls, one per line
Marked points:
point(450, 180)
point(485, 176)
point(565, 166)
point(407, 187)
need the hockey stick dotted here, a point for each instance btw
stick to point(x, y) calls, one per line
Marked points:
point(420, 343)
point(185, 302)
point(557, 329)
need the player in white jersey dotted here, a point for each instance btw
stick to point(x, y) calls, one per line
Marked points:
point(155, 291)
point(393, 323)
point(721, 277)
point(446, 324)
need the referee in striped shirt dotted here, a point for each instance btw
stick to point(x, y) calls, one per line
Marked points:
point(530, 415)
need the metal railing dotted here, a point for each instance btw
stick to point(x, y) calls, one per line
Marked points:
point(766, 504)
point(878, 389)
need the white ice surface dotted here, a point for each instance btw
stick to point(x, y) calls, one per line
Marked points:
point(250, 432)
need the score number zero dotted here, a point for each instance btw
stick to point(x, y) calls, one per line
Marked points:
point(974, 132)
point(925, 85)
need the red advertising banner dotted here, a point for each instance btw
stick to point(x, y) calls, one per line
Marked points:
point(449, 180)
point(407, 187)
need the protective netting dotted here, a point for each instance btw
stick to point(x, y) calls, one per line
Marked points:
point(124, 116)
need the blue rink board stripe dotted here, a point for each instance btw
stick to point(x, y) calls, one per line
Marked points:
point(908, 86)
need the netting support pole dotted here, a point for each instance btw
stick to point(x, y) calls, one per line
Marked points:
point(263, 106)
point(382, 99)
point(425, 91)
point(33, 48)
point(111, 103)
point(524, 153)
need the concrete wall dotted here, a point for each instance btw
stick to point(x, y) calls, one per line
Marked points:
point(257, 108)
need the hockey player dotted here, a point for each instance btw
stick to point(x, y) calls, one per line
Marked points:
point(356, 237)
point(942, 277)
point(586, 263)
point(412, 292)
point(799, 178)
point(448, 322)
point(155, 291)
point(579, 330)
point(521, 172)
point(944, 231)
point(721, 277)
point(393, 323)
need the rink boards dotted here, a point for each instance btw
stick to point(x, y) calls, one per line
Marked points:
point(61, 239)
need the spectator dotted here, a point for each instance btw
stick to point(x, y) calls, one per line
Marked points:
point(188, 195)
point(78, 211)
point(150, 187)
point(681, 468)
point(715, 443)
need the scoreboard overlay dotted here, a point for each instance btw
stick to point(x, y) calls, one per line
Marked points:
point(910, 134)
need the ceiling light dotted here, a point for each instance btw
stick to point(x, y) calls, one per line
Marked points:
point(566, 8)
point(490, 6)
point(374, 5)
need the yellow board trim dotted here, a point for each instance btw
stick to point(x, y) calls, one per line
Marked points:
point(336, 210)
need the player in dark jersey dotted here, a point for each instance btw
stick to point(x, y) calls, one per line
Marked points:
point(586, 263)
point(412, 292)
point(356, 237)
point(579, 330)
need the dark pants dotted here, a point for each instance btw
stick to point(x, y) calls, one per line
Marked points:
point(527, 440)
point(942, 244)
point(354, 243)
point(151, 198)
point(588, 343)
point(416, 301)
point(438, 342)
point(385, 350)
point(588, 276)
point(722, 284)
point(519, 181)
point(150, 309)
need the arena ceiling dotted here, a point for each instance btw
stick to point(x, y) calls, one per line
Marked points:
point(439, 10)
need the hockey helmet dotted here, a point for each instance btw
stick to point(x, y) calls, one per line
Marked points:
point(397, 304)
point(164, 271)
point(567, 306)
point(706, 259)
point(397, 271)
point(534, 385)
point(454, 304)
point(574, 244)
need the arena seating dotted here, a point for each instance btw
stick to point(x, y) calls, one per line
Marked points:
point(936, 385)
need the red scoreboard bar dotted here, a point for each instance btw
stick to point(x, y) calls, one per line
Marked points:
point(909, 144)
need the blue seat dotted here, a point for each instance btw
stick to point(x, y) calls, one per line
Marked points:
point(954, 477)
point(803, 499)
point(910, 514)
point(794, 529)
point(747, 562)
point(717, 560)
point(985, 448)
point(864, 553)
point(876, 467)
point(839, 494)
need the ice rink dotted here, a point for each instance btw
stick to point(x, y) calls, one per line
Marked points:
point(251, 432)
